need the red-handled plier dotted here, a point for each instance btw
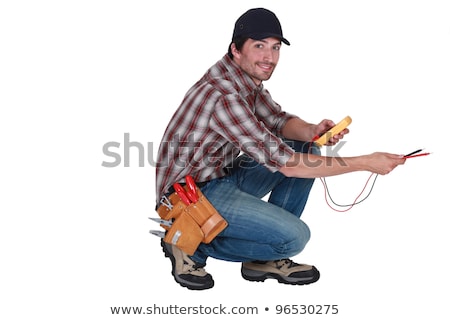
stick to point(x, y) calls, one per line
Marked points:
point(187, 196)
point(192, 189)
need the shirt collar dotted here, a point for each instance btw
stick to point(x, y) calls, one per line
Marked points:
point(244, 81)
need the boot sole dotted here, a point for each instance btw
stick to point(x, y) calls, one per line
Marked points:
point(260, 276)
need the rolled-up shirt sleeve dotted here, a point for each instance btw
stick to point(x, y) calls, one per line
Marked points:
point(270, 113)
point(255, 132)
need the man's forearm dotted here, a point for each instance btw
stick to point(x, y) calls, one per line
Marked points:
point(302, 165)
point(298, 129)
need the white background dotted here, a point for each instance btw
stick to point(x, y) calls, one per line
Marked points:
point(78, 74)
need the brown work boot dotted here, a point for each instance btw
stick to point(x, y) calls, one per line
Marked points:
point(284, 270)
point(185, 271)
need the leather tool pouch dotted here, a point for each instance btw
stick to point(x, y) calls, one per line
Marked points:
point(192, 224)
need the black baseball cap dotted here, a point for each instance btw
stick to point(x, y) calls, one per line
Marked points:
point(258, 24)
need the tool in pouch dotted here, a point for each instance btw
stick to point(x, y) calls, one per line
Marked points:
point(188, 218)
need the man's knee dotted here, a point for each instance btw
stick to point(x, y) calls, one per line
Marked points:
point(296, 239)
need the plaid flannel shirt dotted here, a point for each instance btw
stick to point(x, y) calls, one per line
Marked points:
point(223, 114)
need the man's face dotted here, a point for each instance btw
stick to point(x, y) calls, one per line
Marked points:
point(258, 58)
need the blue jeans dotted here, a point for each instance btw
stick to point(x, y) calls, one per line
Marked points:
point(258, 229)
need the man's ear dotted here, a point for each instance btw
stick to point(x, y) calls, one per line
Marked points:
point(236, 53)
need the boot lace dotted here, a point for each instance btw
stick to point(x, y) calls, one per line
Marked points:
point(290, 264)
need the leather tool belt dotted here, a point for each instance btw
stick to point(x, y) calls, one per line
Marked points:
point(192, 223)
